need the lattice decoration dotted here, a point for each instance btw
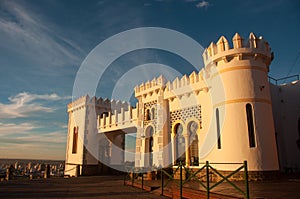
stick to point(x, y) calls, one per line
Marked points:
point(152, 120)
point(186, 113)
point(150, 104)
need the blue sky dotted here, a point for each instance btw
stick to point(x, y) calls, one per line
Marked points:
point(43, 43)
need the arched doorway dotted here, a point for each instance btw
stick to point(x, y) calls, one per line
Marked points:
point(149, 146)
point(194, 144)
point(179, 144)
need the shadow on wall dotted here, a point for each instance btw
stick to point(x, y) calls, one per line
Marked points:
point(298, 141)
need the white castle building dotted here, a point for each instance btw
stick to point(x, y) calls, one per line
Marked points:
point(227, 112)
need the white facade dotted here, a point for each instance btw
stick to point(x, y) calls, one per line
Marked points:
point(222, 113)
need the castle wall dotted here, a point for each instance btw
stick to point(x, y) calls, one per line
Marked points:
point(76, 114)
point(286, 103)
point(85, 115)
point(230, 96)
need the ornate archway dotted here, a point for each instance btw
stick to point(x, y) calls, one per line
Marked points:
point(193, 143)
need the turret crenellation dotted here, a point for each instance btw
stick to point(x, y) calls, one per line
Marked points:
point(254, 46)
point(81, 101)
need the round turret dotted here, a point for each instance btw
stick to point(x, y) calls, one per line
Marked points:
point(242, 111)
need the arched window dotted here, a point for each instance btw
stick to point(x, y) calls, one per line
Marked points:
point(152, 113)
point(148, 115)
point(180, 144)
point(218, 128)
point(250, 125)
point(193, 141)
point(75, 139)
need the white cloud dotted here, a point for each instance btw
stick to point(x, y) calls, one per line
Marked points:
point(24, 104)
point(203, 4)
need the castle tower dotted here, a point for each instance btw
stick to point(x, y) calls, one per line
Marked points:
point(86, 148)
point(242, 110)
point(75, 151)
point(152, 124)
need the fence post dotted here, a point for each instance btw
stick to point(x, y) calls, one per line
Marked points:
point(132, 178)
point(142, 181)
point(180, 179)
point(162, 182)
point(246, 179)
point(207, 179)
point(125, 178)
point(77, 171)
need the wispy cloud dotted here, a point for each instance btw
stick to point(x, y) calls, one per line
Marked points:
point(23, 140)
point(24, 104)
point(199, 4)
point(203, 4)
point(12, 128)
point(36, 38)
point(23, 133)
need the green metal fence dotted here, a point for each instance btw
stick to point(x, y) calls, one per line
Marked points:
point(207, 186)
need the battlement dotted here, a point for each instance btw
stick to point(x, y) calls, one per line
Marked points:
point(81, 101)
point(194, 80)
point(112, 104)
point(98, 102)
point(126, 118)
point(185, 80)
point(193, 83)
point(150, 85)
point(222, 50)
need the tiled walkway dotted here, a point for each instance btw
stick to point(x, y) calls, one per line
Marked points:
point(287, 188)
point(82, 187)
point(112, 187)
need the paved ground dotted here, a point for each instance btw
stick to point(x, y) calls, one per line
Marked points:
point(285, 188)
point(83, 187)
point(112, 187)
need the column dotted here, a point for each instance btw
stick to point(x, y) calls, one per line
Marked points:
point(187, 151)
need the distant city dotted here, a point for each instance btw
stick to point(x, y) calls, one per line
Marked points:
point(22, 168)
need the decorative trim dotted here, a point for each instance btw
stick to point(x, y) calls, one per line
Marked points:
point(239, 68)
point(242, 100)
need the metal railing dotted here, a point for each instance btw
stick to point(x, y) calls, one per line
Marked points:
point(207, 186)
point(275, 81)
point(133, 173)
point(136, 173)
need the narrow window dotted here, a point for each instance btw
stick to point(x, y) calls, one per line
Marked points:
point(151, 151)
point(75, 140)
point(148, 115)
point(250, 125)
point(152, 113)
point(218, 128)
